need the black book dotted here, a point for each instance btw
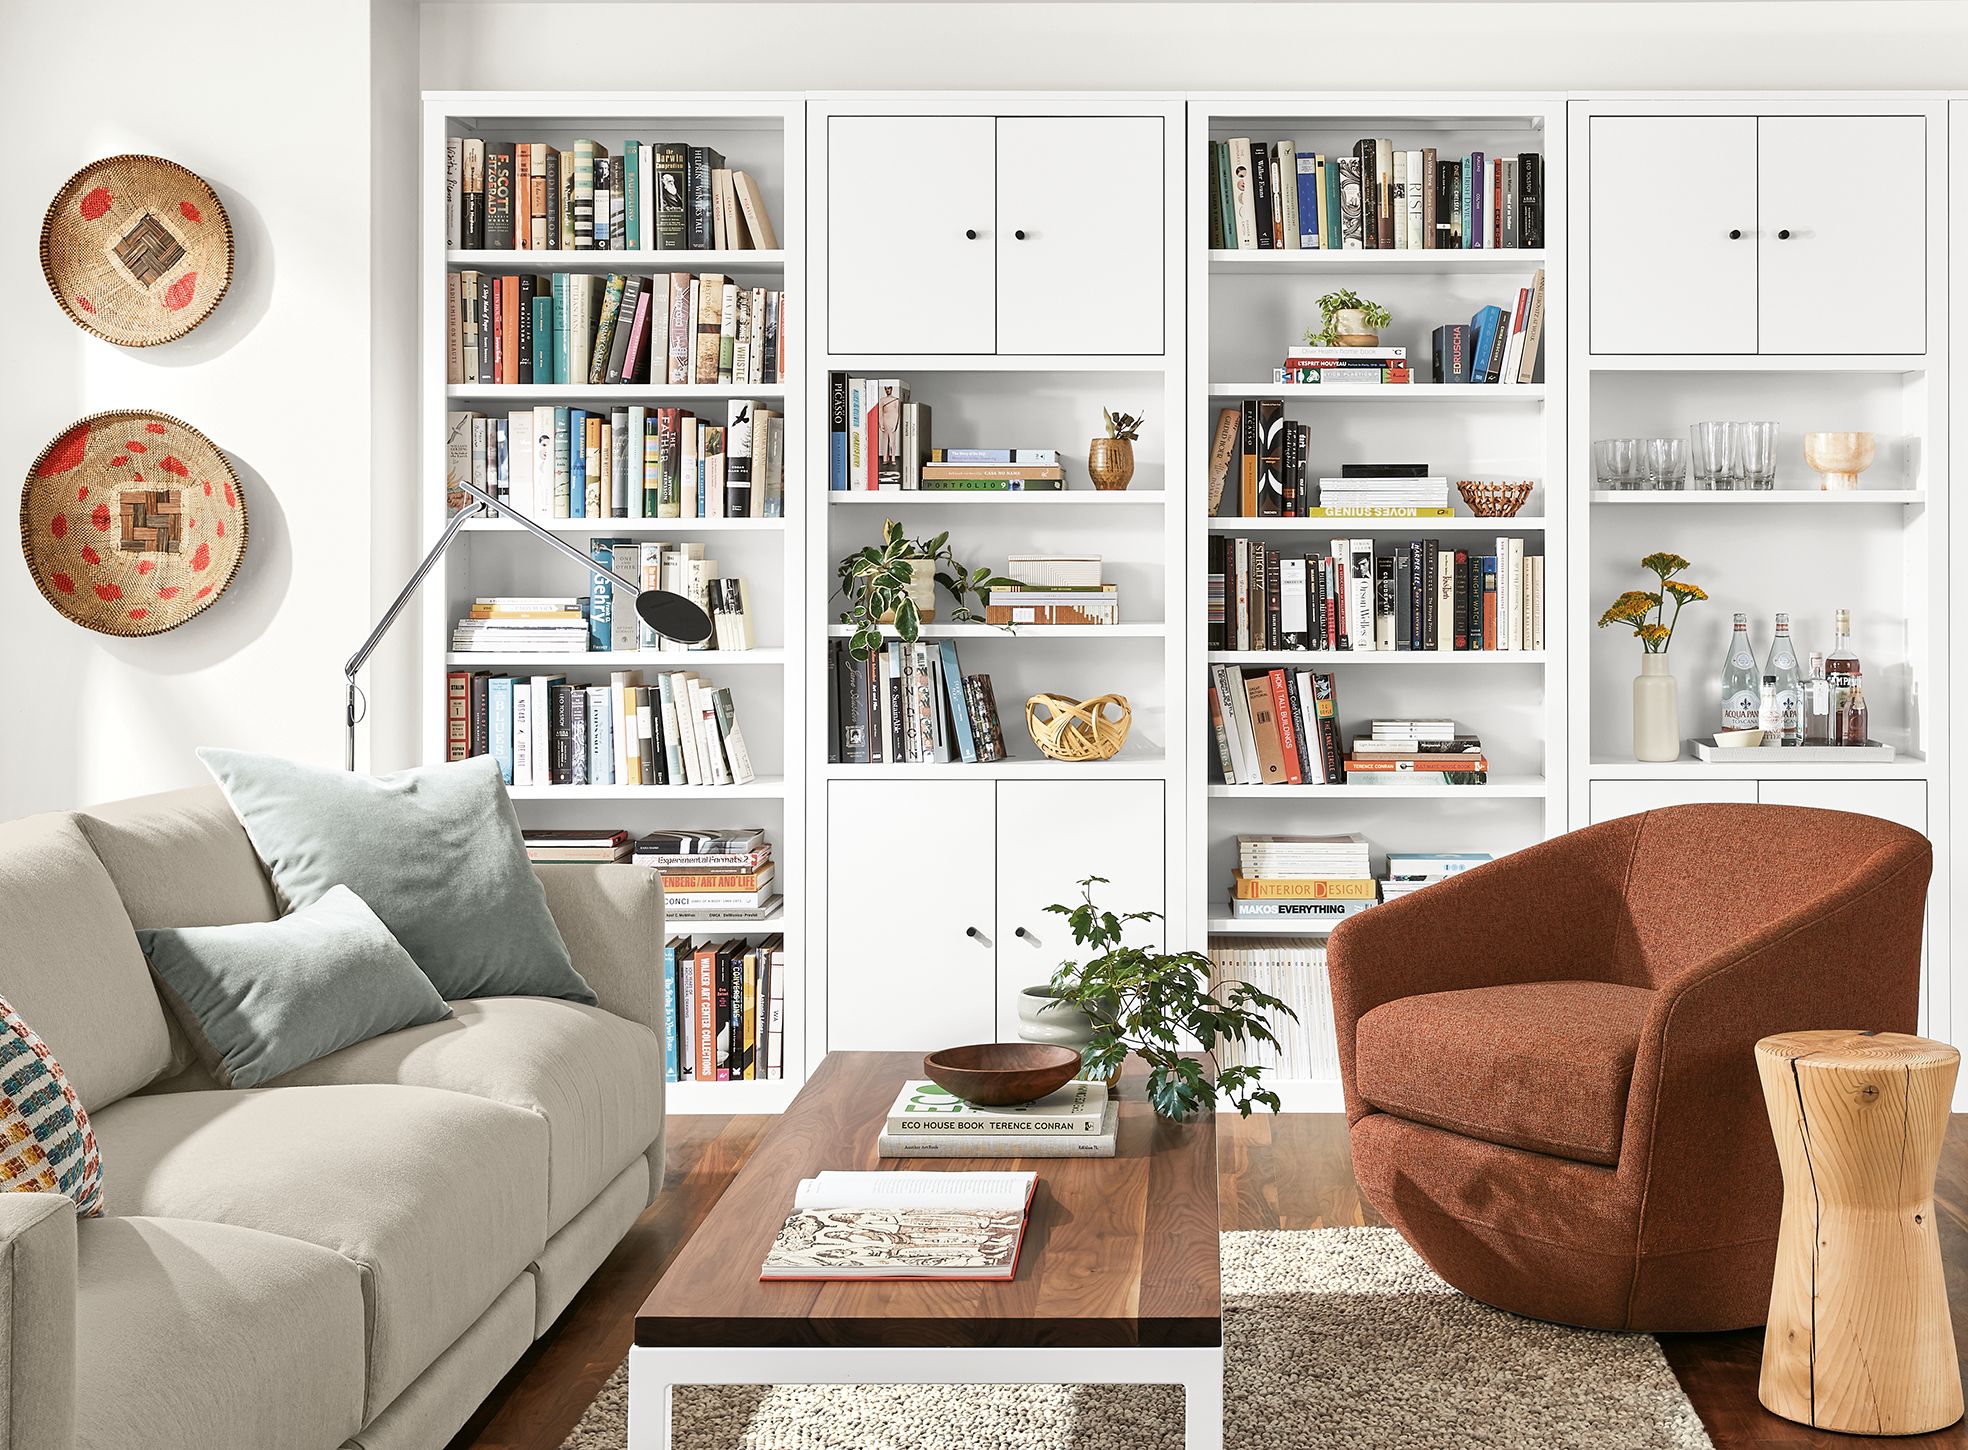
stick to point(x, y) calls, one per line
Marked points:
point(1274, 622)
point(1403, 600)
point(702, 161)
point(471, 195)
point(1215, 197)
point(1443, 177)
point(1384, 605)
point(769, 364)
point(1367, 154)
point(1308, 750)
point(554, 242)
point(499, 195)
point(851, 681)
point(578, 733)
point(1530, 200)
point(487, 332)
point(1493, 372)
point(481, 722)
point(1325, 699)
point(523, 372)
point(1417, 594)
point(1383, 470)
point(1431, 593)
point(618, 347)
point(1270, 457)
point(1290, 504)
point(834, 648)
point(1456, 238)
point(672, 163)
point(897, 752)
point(560, 707)
point(1261, 192)
point(1449, 356)
point(1459, 593)
point(1215, 549)
point(721, 977)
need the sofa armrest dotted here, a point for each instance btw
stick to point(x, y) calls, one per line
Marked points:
point(1546, 913)
point(610, 914)
point(37, 1321)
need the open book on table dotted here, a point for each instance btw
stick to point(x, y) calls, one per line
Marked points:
point(903, 1226)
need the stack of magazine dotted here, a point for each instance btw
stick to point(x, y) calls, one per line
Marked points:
point(1078, 1121)
point(903, 1226)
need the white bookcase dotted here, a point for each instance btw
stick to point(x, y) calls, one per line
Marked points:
point(764, 135)
point(1727, 299)
point(1246, 307)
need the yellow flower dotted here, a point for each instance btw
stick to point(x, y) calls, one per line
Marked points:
point(1664, 564)
point(1684, 592)
point(1630, 608)
point(1652, 633)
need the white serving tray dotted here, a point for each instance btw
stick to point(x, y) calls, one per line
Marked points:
point(1873, 752)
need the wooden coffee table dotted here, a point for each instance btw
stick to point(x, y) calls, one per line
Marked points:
point(1117, 1281)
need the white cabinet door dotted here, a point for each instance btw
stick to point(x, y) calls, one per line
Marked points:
point(910, 959)
point(1900, 801)
point(1842, 269)
point(1052, 836)
point(1614, 798)
point(1081, 228)
point(910, 234)
point(1673, 226)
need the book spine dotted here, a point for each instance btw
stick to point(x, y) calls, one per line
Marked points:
point(1018, 1145)
point(670, 965)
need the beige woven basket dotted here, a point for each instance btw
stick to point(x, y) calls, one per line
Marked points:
point(132, 522)
point(136, 249)
point(1069, 729)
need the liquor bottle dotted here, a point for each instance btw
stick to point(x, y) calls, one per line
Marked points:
point(1817, 703)
point(1739, 680)
point(1783, 665)
point(1842, 673)
point(1770, 712)
point(1852, 722)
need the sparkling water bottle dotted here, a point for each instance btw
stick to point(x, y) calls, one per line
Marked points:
point(1782, 667)
point(1741, 692)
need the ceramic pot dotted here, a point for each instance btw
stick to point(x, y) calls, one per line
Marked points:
point(1110, 462)
point(1042, 1017)
point(1839, 458)
point(1349, 325)
point(1656, 711)
point(921, 590)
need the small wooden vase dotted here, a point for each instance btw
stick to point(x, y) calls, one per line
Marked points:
point(1110, 462)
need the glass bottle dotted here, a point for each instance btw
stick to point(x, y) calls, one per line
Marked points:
point(1852, 722)
point(1783, 666)
point(1817, 703)
point(1842, 673)
point(1770, 712)
point(1739, 680)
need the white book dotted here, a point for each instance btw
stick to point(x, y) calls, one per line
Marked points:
point(646, 200)
point(454, 154)
point(734, 740)
point(1291, 595)
point(1505, 598)
point(1398, 200)
point(1239, 704)
point(536, 688)
point(601, 737)
point(1417, 183)
point(618, 738)
point(1309, 708)
point(1537, 600)
point(696, 769)
point(522, 733)
point(1233, 736)
point(521, 449)
point(1516, 634)
point(707, 730)
point(1360, 594)
point(1243, 207)
point(1288, 191)
point(1445, 568)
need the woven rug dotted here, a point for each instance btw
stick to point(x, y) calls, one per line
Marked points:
point(1335, 1339)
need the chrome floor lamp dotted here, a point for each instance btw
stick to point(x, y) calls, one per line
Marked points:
point(670, 615)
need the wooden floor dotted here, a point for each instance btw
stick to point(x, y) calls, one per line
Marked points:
point(1291, 1172)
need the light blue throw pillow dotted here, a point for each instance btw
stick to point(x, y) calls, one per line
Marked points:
point(436, 852)
point(265, 997)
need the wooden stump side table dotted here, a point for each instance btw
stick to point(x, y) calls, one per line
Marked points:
point(1859, 1338)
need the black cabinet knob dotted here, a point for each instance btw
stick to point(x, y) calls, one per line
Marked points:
point(1784, 235)
point(1735, 234)
point(970, 234)
point(971, 931)
point(1019, 235)
point(1021, 932)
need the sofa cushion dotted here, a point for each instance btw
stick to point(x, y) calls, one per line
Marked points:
point(435, 1195)
point(1536, 1065)
point(180, 859)
point(46, 1144)
point(262, 997)
point(203, 1336)
point(69, 961)
point(596, 1079)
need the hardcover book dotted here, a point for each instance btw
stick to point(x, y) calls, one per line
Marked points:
point(903, 1226)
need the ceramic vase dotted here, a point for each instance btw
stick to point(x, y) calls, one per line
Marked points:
point(1110, 462)
point(1839, 458)
point(1042, 1017)
point(1349, 325)
point(921, 590)
point(1656, 711)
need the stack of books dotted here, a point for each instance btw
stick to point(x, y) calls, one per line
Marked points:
point(993, 470)
point(903, 1226)
point(724, 1009)
point(1400, 751)
point(1054, 589)
point(1351, 366)
point(726, 875)
point(909, 704)
point(1316, 879)
point(1409, 871)
point(514, 624)
point(577, 845)
point(1500, 344)
point(1404, 490)
point(926, 1121)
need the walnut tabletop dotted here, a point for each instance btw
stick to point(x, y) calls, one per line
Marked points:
point(1118, 1251)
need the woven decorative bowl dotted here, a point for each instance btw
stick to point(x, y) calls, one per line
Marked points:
point(132, 522)
point(136, 249)
point(1493, 500)
point(1069, 729)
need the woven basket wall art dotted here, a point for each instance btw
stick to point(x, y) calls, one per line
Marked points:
point(1069, 729)
point(132, 522)
point(136, 249)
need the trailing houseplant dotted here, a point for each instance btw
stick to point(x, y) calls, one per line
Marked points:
point(1656, 698)
point(894, 582)
point(1161, 1006)
point(1348, 316)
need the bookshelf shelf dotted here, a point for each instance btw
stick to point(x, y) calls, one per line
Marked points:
point(1772, 498)
point(684, 922)
point(1326, 528)
point(1327, 659)
point(1427, 262)
point(1270, 926)
point(1023, 632)
point(1121, 767)
point(1420, 394)
point(702, 659)
point(1758, 764)
point(1036, 364)
point(652, 528)
point(1515, 787)
point(989, 498)
point(611, 392)
point(527, 260)
point(766, 787)
point(1837, 362)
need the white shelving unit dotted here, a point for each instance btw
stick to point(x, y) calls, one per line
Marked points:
point(765, 135)
point(1245, 309)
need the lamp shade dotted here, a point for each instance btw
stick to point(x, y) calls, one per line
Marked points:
point(673, 616)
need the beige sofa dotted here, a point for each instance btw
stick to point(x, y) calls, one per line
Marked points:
point(352, 1257)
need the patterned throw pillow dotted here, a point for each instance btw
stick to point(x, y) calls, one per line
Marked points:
point(46, 1144)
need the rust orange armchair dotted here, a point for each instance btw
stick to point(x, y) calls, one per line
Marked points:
point(1548, 1062)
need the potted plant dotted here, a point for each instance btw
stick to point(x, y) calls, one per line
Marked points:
point(894, 582)
point(1161, 1005)
point(1351, 321)
point(1110, 460)
point(1656, 702)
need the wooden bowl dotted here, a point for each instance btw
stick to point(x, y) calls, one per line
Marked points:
point(999, 1074)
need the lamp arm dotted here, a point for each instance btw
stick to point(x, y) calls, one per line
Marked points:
point(584, 560)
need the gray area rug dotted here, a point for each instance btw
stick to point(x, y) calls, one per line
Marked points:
point(1335, 1339)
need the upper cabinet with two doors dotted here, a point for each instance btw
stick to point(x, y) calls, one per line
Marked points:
point(954, 234)
point(1759, 233)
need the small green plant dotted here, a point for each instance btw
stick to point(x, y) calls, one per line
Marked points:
point(1346, 300)
point(1635, 606)
point(876, 582)
point(1148, 1001)
point(1122, 425)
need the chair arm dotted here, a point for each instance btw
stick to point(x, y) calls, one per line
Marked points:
point(1546, 913)
point(610, 914)
point(37, 1321)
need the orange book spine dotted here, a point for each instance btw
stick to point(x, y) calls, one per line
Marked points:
point(1287, 735)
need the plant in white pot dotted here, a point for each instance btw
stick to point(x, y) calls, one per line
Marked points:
point(1656, 699)
point(1350, 321)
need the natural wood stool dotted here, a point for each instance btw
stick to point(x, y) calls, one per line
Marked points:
point(1859, 1338)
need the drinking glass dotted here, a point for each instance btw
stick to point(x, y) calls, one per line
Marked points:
point(1715, 455)
point(1756, 447)
point(1621, 463)
point(1667, 463)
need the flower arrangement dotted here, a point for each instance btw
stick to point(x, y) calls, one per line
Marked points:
point(1122, 425)
point(1644, 611)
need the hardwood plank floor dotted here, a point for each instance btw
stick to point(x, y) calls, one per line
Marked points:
point(1289, 1172)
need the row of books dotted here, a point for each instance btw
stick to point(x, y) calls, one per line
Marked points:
point(874, 1226)
point(1295, 972)
point(678, 568)
point(928, 1121)
point(1374, 595)
point(724, 1009)
point(577, 328)
point(910, 704)
point(1281, 726)
point(664, 196)
point(1499, 344)
point(1271, 195)
point(545, 731)
point(633, 462)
